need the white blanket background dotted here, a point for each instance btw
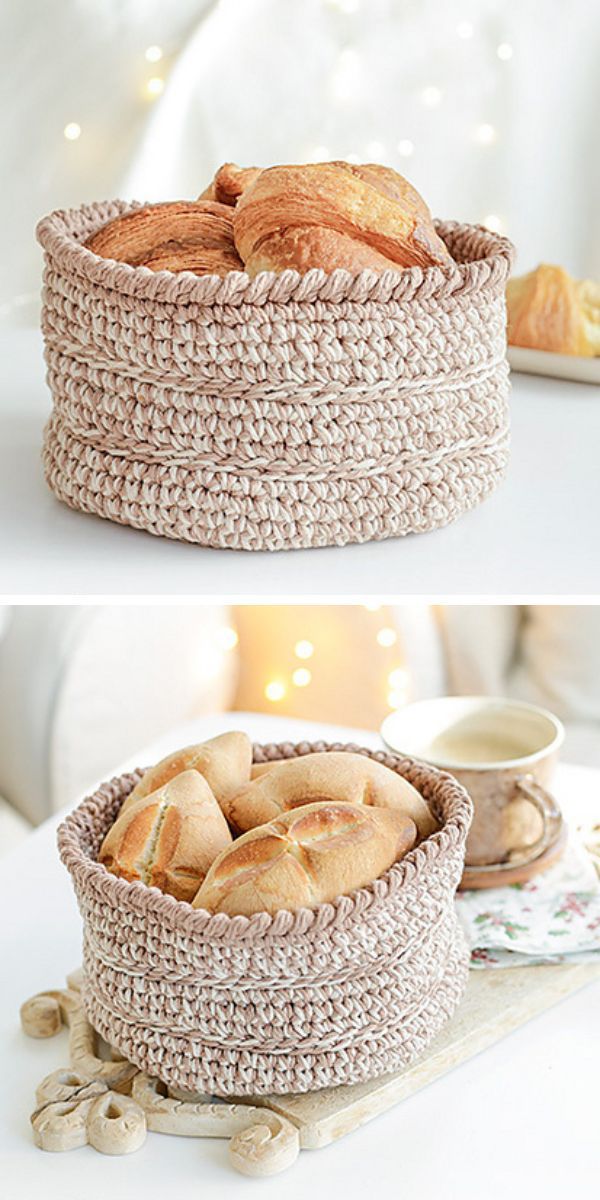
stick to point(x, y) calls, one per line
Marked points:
point(490, 107)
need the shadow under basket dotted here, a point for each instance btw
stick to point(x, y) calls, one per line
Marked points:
point(243, 1006)
point(284, 411)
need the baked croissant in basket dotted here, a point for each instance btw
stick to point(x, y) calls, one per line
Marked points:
point(180, 235)
point(229, 183)
point(331, 215)
point(548, 310)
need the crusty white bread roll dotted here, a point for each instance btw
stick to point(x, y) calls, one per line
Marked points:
point(168, 839)
point(258, 769)
point(306, 857)
point(224, 761)
point(332, 776)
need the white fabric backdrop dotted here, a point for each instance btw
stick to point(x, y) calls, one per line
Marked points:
point(267, 80)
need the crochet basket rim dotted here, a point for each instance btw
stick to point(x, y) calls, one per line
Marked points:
point(221, 927)
point(61, 233)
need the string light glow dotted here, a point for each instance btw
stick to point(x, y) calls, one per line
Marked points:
point(320, 154)
point(72, 131)
point(387, 636)
point(431, 96)
point(155, 86)
point(347, 77)
point(398, 678)
point(304, 649)
point(275, 690)
point(345, 6)
point(405, 147)
point(485, 134)
point(494, 223)
point(153, 54)
point(353, 158)
point(465, 29)
point(376, 150)
point(504, 51)
point(301, 677)
point(228, 638)
point(396, 698)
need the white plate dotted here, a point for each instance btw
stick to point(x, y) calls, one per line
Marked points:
point(558, 366)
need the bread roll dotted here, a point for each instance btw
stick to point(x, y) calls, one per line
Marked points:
point(306, 857)
point(178, 236)
point(332, 215)
point(168, 839)
point(224, 761)
point(333, 776)
point(229, 183)
point(258, 769)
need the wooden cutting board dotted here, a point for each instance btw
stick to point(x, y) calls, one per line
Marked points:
point(496, 1002)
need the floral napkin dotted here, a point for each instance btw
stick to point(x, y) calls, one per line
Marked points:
point(554, 918)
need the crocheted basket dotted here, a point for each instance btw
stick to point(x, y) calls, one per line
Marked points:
point(284, 411)
point(241, 1006)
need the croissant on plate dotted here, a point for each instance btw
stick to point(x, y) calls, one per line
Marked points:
point(181, 235)
point(549, 310)
point(333, 215)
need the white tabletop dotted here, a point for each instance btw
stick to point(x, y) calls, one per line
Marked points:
point(537, 534)
point(518, 1120)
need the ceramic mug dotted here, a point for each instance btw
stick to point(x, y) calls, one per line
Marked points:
point(504, 752)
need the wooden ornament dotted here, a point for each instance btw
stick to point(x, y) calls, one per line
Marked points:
point(268, 1145)
point(65, 1084)
point(65, 1101)
point(262, 1142)
point(116, 1124)
point(44, 1015)
point(41, 1016)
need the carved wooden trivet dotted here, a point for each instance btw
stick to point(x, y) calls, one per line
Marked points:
point(110, 1105)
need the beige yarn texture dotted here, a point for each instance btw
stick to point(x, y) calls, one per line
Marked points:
point(284, 411)
point(291, 1003)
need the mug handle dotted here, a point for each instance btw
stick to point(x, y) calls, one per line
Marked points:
point(531, 790)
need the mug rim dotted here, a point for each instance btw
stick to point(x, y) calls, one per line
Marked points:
point(480, 702)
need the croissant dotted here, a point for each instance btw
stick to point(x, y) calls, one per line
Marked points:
point(332, 215)
point(182, 235)
point(229, 183)
point(548, 310)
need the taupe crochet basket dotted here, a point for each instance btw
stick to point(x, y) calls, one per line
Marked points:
point(284, 411)
point(241, 1006)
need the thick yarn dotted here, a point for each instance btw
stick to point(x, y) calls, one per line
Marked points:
point(252, 1005)
point(283, 411)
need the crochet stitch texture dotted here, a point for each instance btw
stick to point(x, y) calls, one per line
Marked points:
point(284, 411)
